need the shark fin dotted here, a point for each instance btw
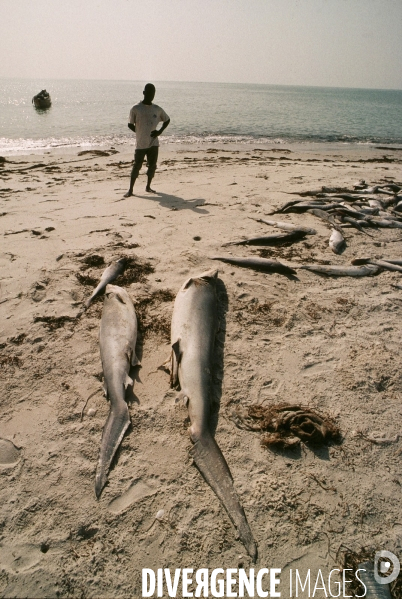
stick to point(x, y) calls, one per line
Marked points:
point(175, 358)
point(134, 360)
point(128, 382)
point(210, 462)
point(116, 425)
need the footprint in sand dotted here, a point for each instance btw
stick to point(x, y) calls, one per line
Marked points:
point(136, 491)
point(19, 558)
point(9, 454)
point(38, 291)
point(270, 389)
point(117, 235)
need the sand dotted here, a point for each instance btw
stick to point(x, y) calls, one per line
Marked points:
point(332, 344)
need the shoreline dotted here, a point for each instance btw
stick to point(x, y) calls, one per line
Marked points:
point(296, 146)
point(330, 343)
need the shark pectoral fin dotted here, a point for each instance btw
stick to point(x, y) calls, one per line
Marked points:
point(174, 364)
point(166, 364)
point(182, 398)
point(210, 462)
point(128, 382)
point(176, 349)
point(134, 360)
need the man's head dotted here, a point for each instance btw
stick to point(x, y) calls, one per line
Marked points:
point(149, 93)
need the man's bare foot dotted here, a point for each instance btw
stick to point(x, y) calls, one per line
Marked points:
point(149, 190)
point(128, 194)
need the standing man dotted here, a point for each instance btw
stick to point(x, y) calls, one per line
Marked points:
point(143, 119)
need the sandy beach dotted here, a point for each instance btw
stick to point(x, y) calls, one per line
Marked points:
point(330, 343)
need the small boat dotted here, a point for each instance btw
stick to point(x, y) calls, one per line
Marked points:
point(42, 100)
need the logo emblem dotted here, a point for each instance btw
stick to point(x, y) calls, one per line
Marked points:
point(385, 567)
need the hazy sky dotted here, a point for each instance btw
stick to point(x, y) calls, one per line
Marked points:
point(345, 43)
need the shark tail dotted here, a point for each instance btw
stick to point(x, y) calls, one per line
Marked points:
point(210, 462)
point(96, 291)
point(116, 425)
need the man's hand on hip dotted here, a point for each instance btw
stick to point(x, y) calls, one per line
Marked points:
point(155, 133)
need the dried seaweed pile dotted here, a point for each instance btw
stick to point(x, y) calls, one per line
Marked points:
point(9, 361)
point(266, 313)
point(92, 260)
point(286, 425)
point(150, 319)
point(55, 322)
point(135, 271)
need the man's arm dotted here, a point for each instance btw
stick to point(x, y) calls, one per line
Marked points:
point(157, 132)
point(132, 127)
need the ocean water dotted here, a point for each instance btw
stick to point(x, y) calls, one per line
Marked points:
point(95, 113)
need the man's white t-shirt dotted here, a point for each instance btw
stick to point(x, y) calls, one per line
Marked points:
point(145, 118)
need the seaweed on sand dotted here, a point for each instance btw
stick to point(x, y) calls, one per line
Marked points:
point(286, 425)
point(149, 321)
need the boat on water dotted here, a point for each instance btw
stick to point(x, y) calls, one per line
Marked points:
point(42, 100)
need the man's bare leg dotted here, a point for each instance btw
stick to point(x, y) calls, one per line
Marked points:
point(148, 187)
point(130, 191)
point(138, 160)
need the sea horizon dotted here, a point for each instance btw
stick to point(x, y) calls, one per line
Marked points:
point(142, 81)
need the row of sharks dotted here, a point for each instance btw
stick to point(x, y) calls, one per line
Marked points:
point(361, 208)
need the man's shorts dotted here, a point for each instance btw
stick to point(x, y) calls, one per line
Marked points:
point(152, 158)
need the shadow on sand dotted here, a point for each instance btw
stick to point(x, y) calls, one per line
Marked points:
point(218, 369)
point(172, 202)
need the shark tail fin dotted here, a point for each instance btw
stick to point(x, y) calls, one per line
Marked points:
point(116, 425)
point(210, 462)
